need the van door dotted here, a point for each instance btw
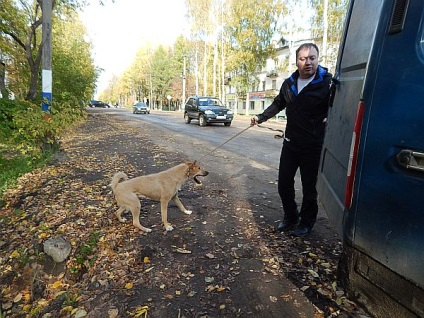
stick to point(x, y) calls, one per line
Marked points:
point(372, 185)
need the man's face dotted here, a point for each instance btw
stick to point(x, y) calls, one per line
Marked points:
point(307, 62)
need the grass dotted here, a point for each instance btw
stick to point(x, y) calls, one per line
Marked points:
point(13, 165)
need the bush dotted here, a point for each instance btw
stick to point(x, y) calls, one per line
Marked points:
point(30, 130)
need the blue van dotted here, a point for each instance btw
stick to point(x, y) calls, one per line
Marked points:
point(371, 178)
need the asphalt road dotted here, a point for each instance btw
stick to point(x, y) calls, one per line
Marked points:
point(257, 144)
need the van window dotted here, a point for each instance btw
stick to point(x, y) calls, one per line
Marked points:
point(360, 34)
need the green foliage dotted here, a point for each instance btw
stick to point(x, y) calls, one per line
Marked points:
point(30, 129)
point(13, 165)
point(84, 255)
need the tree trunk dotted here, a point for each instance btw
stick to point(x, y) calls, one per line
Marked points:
point(34, 65)
point(3, 90)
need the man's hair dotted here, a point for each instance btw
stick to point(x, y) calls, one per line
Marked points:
point(307, 46)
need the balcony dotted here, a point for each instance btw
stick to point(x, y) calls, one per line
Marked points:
point(271, 93)
point(272, 74)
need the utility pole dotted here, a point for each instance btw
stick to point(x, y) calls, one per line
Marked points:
point(46, 75)
point(325, 35)
point(223, 98)
point(184, 84)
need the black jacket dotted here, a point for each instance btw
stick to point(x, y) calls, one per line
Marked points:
point(306, 112)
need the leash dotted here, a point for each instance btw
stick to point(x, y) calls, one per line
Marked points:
point(210, 152)
point(273, 129)
point(238, 134)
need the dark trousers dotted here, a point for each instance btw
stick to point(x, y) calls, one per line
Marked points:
point(307, 159)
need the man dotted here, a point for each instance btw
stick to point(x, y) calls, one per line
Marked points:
point(305, 96)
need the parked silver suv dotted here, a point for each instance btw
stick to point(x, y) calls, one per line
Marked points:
point(206, 110)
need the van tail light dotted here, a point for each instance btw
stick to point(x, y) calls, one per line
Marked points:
point(353, 156)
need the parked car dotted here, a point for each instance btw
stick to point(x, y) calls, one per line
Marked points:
point(141, 108)
point(97, 103)
point(207, 110)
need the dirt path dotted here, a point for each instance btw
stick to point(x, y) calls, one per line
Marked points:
point(224, 260)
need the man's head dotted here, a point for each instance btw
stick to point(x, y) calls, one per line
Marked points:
point(307, 59)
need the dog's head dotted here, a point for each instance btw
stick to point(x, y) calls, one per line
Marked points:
point(194, 171)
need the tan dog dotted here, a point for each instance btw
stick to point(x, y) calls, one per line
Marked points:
point(162, 187)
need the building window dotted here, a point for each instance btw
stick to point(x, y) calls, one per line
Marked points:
point(263, 86)
point(244, 105)
point(262, 104)
point(252, 105)
point(274, 84)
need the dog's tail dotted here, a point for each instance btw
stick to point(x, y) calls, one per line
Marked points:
point(117, 178)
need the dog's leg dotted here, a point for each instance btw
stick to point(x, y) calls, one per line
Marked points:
point(119, 214)
point(135, 210)
point(164, 214)
point(180, 205)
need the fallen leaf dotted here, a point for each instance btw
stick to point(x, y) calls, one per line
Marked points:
point(14, 254)
point(57, 284)
point(209, 279)
point(113, 313)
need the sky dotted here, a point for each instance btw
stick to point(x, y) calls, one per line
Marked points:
point(117, 30)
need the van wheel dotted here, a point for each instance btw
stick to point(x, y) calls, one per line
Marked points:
point(227, 124)
point(202, 121)
point(187, 119)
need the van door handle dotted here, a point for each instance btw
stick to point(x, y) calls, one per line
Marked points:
point(410, 159)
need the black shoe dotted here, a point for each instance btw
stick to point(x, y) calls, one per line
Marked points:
point(301, 231)
point(287, 225)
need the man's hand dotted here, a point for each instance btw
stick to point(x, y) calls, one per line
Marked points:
point(254, 121)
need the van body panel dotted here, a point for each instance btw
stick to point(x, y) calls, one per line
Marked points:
point(385, 224)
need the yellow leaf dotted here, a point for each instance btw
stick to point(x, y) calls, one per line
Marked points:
point(14, 254)
point(26, 307)
point(56, 284)
point(141, 311)
point(220, 289)
point(222, 307)
point(129, 285)
point(42, 235)
point(146, 260)
point(68, 308)
point(177, 292)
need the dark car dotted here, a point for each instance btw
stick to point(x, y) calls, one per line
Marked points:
point(141, 108)
point(97, 103)
point(207, 110)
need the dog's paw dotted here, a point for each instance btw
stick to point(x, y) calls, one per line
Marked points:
point(169, 228)
point(188, 212)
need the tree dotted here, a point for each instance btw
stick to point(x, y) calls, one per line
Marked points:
point(163, 74)
point(251, 27)
point(327, 23)
point(20, 29)
point(74, 71)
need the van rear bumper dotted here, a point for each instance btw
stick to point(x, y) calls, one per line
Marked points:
point(369, 282)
